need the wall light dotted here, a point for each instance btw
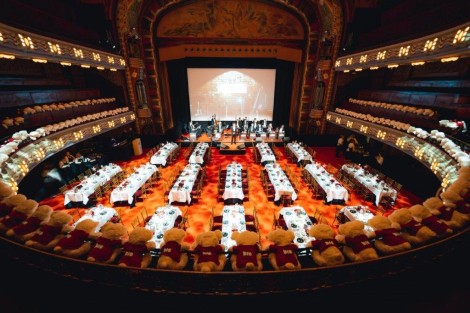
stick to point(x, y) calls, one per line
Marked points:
point(449, 59)
point(7, 56)
point(374, 68)
point(85, 66)
point(417, 63)
point(39, 60)
point(100, 68)
point(346, 71)
point(392, 65)
point(358, 69)
point(66, 63)
point(113, 69)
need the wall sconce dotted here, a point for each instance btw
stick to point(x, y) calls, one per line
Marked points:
point(449, 59)
point(7, 56)
point(417, 63)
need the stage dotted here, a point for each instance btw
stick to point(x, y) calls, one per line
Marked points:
point(224, 142)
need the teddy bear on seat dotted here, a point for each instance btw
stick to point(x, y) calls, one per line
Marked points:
point(457, 195)
point(425, 217)
point(283, 252)
point(136, 251)
point(246, 254)
point(26, 230)
point(173, 255)
point(19, 214)
point(357, 247)
point(325, 248)
point(209, 253)
point(388, 239)
point(9, 202)
point(412, 231)
point(108, 245)
point(453, 218)
point(49, 234)
point(5, 191)
point(77, 243)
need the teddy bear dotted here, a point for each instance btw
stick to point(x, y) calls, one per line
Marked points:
point(209, 253)
point(388, 239)
point(457, 195)
point(425, 217)
point(412, 231)
point(453, 218)
point(325, 248)
point(8, 122)
point(173, 256)
point(49, 234)
point(109, 244)
point(18, 214)
point(246, 254)
point(7, 192)
point(283, 252)
point(77, 242)
point(29, 110)
point(136, 251)
point(25, 230)
point(357, 246)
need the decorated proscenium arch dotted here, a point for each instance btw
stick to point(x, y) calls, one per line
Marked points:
point(234, 30)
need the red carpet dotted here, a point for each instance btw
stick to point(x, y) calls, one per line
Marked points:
point(199, 213)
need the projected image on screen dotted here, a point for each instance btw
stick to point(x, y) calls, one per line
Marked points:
point(231, 93)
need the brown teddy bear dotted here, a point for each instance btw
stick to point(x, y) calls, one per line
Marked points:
point(108, 245)
point(425, 217)
point(246, 254)
point(173, 256)
point(357, 247)
point(209, 253)
point(325, 248)
point(49, 234)
point(5, 191)
point(388, 239)
point(457, 195)
point(25, 230)
point(8, 203)
point(19, 213)
point(136, 251)
point(453, 218)
point(412, 231)
point(77, 243)
point(283, 252)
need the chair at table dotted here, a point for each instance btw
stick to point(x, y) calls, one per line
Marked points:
point(281, 222)
point(216, 221)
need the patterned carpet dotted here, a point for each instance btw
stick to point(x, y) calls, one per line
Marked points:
point(199, 213)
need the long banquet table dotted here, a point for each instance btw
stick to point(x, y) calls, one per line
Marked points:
point(299, 151)
point(127, 188)
point(86, 187)
point(181, 190)
point(161, 156)
point(265, 152)
point(233, 219)
point(162, 220)
point(281, 183)
point(298, 221)
point(358, 213)
point(197, 156)
point(377, 186)
point(233, 182)
point(333, 189)
point(100, 214)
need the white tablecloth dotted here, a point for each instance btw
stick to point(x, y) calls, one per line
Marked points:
point(233, 219)
point(266, 153)
point(82, 191)
point(100, 214)
point(333, 189)
point(126, 189)
point(300, 153)
point(181, 190)
point(161, 156)
point(377, 186)
point(163, 219)
point(197, 156)
point(358, 213)
point(298, 221)
point(281, 183)
point(233, 182)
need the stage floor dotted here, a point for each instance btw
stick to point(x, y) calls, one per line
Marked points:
point(226, 138)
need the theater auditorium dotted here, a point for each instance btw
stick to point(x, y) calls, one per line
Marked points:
point(226, 153)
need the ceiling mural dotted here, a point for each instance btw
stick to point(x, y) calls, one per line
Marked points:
point(230, 19)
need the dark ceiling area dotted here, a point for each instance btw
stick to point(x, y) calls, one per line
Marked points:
point(81, 21)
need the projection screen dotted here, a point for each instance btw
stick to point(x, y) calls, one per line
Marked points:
point(231, 93)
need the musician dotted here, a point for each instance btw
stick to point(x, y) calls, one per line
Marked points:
point(234, 133)
point(213, 120)
point(270, 128)
point(245, 124)
point(193, 127)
